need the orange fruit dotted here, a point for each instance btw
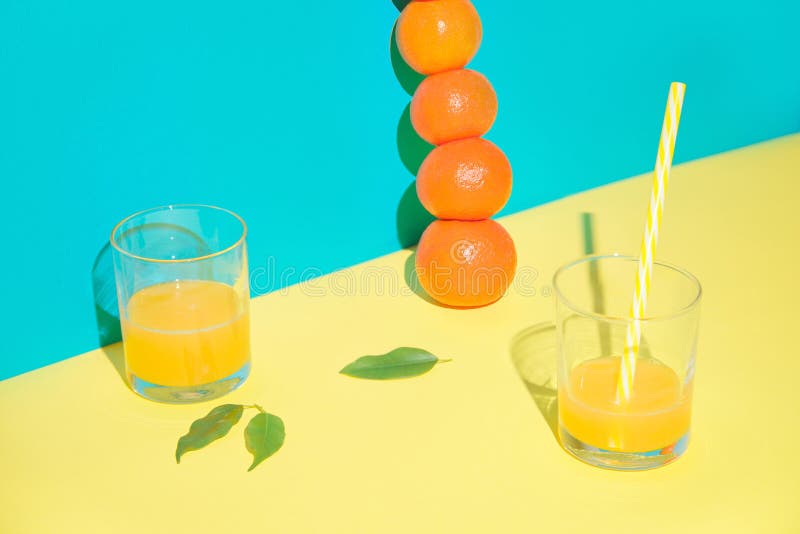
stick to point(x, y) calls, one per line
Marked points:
point(468, 180)
point(466, 263)
point(440, 35)
point(453, 105)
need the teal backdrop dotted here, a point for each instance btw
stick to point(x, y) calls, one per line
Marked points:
point(294, 114)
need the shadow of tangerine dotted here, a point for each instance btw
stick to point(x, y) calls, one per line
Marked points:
point(401, 4)
point(412, 280)
point(533, 352)
point(409, 78)
point(412, 217)
point(410, 146)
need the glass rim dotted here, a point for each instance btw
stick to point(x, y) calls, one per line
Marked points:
point(173, 207)
point(617, 319)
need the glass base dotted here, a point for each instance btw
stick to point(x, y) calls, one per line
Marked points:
point(189, 394)
point(622, 461)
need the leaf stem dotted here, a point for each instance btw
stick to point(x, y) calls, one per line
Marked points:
point(445, 360)
point(256, 406)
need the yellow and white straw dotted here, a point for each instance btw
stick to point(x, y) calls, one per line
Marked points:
point(666, 147)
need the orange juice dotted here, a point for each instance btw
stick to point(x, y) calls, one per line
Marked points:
point(656, 416)
point(186, 333)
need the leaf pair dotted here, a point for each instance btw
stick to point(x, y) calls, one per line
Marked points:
point(263, 436)
point(403, 362)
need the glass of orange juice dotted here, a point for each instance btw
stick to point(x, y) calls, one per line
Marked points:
point(184, 297)
point(650, 427)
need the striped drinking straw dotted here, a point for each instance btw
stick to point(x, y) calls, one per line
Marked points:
point(666, 147)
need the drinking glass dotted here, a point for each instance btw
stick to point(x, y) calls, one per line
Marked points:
point(598, 422)
point(182, 283)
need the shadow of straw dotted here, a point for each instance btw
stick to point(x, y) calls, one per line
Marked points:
point(598, 294)
point(533, 352)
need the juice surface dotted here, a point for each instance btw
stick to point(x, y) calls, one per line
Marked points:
point(186, 333)
point(656, 416)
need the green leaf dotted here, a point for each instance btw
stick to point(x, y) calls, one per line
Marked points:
point(213, 426)
point(404, 362)
point(263, 437)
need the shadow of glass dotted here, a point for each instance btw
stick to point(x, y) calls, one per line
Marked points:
point(409, 78)
point(116, 356)
point(106, 308)
point(533, 352)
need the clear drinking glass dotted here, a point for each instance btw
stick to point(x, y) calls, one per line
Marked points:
point(650, 427)
point(184, 298)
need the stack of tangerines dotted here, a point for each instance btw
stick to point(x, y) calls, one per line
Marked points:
point(463, 259)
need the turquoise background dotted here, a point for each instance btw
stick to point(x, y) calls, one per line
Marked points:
point(288, 113)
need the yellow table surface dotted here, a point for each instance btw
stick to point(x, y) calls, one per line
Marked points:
point(464, 448)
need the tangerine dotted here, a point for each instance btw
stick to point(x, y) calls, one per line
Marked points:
point(469, 180)
point(465, 263)
point(435, 36)
point(452, 105)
